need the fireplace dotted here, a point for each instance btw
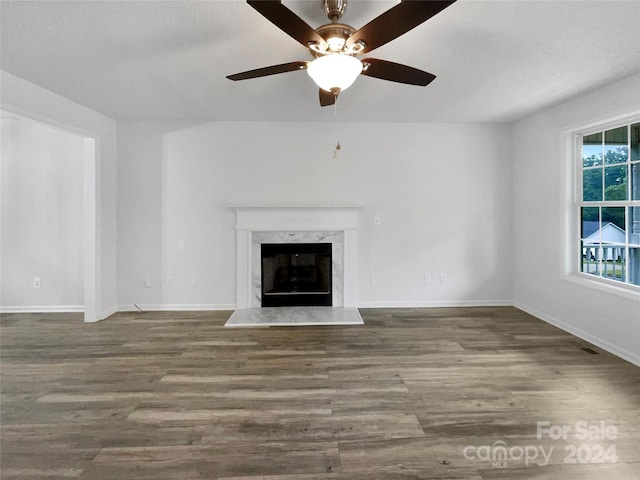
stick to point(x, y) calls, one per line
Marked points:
point(296, 274)
point(257, 225)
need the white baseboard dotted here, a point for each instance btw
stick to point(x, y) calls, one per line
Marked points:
point(42, 309)
point(176, 307)
point(437, 304)
point(609, 347)
point(108, 312)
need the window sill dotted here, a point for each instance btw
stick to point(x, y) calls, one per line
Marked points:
point(631, 292)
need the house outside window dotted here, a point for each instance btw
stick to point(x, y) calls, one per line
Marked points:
point(608, 204)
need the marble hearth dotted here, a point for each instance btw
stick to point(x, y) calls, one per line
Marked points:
point(294, 317)
point(337, 225)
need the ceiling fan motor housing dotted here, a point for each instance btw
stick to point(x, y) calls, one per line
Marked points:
point(335, 35)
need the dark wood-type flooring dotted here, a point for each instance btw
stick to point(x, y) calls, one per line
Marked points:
point(412, 394)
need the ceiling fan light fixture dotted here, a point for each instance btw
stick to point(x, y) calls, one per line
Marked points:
point(334, 72)
point(336, 44)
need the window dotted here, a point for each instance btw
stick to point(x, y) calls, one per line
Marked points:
point(608, 204)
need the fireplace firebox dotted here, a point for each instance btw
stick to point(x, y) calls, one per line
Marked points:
point(296, 274)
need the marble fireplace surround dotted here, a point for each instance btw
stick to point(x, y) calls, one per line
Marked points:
point(296, 224)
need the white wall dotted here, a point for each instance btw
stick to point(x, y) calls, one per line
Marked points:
point(602, 317)
point(443, 192)
point(140, 207)
point(31, 101)
point(42, 216)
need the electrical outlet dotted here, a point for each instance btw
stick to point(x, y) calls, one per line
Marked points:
point(377, 220)
point(169, 281)
point(36, 282)
point(443, 278)
point(426, 279)
point(374, 279)
point(147, 283)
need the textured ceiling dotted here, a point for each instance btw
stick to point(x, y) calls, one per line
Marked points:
point(167, 60)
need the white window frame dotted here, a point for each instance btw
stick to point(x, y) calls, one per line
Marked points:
point(572, 184)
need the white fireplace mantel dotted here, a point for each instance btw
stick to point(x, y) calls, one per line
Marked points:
point(297, 224)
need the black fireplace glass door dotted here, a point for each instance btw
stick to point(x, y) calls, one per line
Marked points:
point(296, 274)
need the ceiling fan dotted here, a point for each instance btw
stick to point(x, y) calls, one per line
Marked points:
point(336, 46)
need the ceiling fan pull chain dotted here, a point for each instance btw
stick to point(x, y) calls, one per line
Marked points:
point(335, 117)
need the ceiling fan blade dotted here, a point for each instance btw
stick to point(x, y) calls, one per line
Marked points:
point(272, 70)
point(396, 72)
point(326, 98)
point(395, 22)
point(287, 21)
